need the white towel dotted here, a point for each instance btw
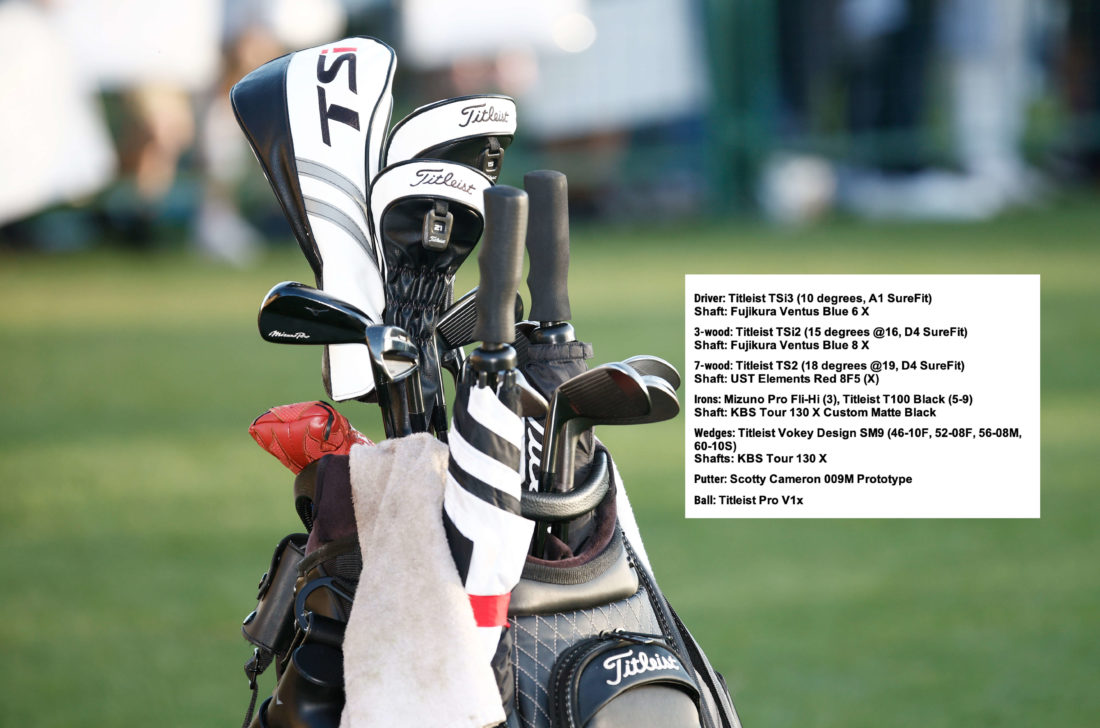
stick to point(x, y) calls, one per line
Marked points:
point(411, 650)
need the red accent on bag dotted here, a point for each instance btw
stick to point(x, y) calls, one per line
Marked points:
point(490, 611)
point(297, 434)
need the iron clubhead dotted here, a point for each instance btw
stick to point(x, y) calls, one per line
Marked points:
point(663, 402)
point(294, 313)
point(647, 364)
point(395, 364)
point(455, 328)
point(394, 356)
point(531, 403)
point(609, 394)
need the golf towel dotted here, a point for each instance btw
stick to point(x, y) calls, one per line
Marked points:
point(411, 651)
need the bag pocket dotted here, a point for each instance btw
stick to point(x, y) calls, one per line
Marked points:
point(622, 680)
point(270, 626)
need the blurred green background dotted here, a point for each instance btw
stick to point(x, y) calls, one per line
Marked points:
point(137, 515)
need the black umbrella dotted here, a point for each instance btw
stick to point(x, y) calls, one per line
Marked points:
point(489, 539)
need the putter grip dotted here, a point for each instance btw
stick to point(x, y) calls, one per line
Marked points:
point(500, 263)
point(548, 245)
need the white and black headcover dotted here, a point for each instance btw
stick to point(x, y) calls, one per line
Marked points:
point(317, 120)
point(427, 215)
point(474, 130)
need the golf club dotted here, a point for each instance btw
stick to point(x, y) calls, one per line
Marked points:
point(663, 404)
point(294, 313)
point(455, 328)
point(442, 130)
point(607, 395)
point(654, 365)
point(427, 215)
point(395, 362)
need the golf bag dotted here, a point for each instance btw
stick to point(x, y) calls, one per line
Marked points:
point(592, 640)
point(579, 635)
point(596, 643)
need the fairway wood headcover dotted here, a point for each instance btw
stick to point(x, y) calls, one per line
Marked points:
point(298, 434)
point(411, 650)
point(428, 215)
point(316, 120)
point(473, 130)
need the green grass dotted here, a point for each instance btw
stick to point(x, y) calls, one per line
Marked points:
point(137, 514)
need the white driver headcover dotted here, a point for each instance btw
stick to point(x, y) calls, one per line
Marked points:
point(318, 121)
point(339, 104)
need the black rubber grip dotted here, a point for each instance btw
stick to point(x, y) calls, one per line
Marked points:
point(500, 263)
point(548, 245)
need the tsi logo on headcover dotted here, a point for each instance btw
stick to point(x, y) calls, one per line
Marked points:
point(627, 664)
point(335, 112)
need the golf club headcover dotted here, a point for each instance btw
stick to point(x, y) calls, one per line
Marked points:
point(316, 120)
point(429, 215)
point(473, 130)
point(298, 434)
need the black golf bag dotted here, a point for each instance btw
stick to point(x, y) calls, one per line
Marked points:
point(592, 640)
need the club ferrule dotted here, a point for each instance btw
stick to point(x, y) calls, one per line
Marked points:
point(553, 332)
point(493, 358)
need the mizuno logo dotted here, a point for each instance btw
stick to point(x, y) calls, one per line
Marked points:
point(276, 334)
point(627, 663)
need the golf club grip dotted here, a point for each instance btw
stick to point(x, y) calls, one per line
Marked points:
point(500, 263)
point(548, 245)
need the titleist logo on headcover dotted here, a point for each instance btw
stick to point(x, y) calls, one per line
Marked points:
point(437, 177)
point(627, 663)
point(276, 334)
point(478, 114)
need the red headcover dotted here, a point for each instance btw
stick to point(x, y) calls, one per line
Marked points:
point(298, 434)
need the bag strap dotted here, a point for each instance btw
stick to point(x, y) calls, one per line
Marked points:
point(252, 669)
point(668, 623)
point(724, 704)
